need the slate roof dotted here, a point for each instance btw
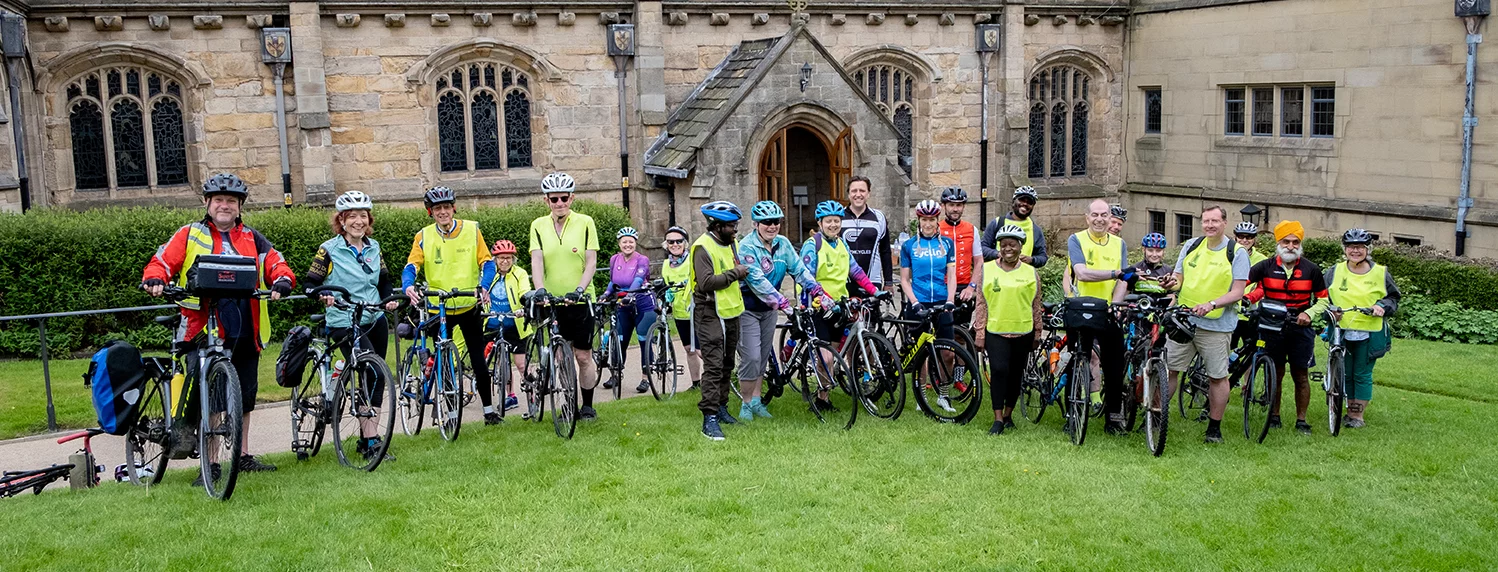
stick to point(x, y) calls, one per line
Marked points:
point(697, 118)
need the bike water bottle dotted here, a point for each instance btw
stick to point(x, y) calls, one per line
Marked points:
point(1051, 358)
point(1065, 359)
point(337, 369)
point(178, 382)
point(788, 349)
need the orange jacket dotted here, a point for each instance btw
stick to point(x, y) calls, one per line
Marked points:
point(167, 264)
point(964, 235)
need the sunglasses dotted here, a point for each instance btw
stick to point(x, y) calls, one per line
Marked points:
point(771, 222)
point(676, 241)
point(559, 200)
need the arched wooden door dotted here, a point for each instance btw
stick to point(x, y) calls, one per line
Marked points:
point(842, 163)
point(772, 171)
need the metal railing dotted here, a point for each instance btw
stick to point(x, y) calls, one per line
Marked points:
point(41, 326)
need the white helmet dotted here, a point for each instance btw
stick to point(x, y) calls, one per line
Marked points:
point(558, 183)
point(353, 200)
point(1011, 231)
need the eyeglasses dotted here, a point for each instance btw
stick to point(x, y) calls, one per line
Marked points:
point(559, 200)
point(676, 241)
point(771, 222)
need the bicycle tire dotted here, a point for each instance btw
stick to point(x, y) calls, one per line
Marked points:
point(562, 394)
point(1038, 383)
point(964, 339)
point(964, 376)
point(1335, 386)
point(1156, 405)
point(18, 482)
point(222, 384)
point(883, 388)
point(411, 408)
point(1259, 390)
point(447, 398)
point(1192, 399)
point(664, 377)
point(146, 443)
point(1078, 400)
point(501, 372)
point(358, 387)
point(1136, 377)
point(535, 397)
point(833, 377)
point(307, 403)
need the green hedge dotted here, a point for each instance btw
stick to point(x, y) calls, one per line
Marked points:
point(54, 261)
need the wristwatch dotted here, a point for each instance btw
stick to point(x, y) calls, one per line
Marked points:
point(1213, 303)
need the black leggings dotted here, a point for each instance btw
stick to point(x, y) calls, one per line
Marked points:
point(472, 326)
point(1006, 367)
point(377, 339)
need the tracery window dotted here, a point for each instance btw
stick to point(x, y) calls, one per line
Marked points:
point(483, 117)
point(893, 90)
point(1059, 116)
point(127, 129)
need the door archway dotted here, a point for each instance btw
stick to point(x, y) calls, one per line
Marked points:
point(797, 156)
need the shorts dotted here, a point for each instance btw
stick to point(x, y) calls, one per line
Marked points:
point(756, 342)
point(1295, 345)
point(575, 324)
point(687, 334)
point(828, 330)
point(943, 319)
point(1212, 346)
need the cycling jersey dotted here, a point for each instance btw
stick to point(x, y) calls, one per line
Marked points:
point(768, 267)
point(928, 258)
point(867, 235)
point(1143, 270)
point(630, 273)
point(563, 254)
point(965, 236)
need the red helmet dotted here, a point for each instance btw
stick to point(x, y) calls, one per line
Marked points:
point(503, 247)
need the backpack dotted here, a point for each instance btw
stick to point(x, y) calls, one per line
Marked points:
point(294, 356)
point(1230, 252)
point(118, 380)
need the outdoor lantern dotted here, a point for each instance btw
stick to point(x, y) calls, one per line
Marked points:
point(1255, 214)
point(805, 75)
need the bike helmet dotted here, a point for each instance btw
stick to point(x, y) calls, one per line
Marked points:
point(953, 195)
point(1246, 227)
point(353, 200)
point(1010, 231)
point(927, 209)
point(503, 247)
point(558, 183)
point(722, 211)
point(1118, 211)
point(766, 210)
point(1356, 236)
point(628, 231)
point(226, 184)
point(678, 230)
point(1178, 328)
point(1153, 240)
point(1026, 191)
point(438, 195)
point(830, 208)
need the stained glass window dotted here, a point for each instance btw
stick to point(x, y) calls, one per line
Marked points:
point(486, 132)
point(1059, 122)
point(144, 144)
point(90, 169)
point(1079, 139)
point(483, 123)
point(518, 128)
point(166, 138)
point(893, 92)
point(1037, 140)
point(451, 133)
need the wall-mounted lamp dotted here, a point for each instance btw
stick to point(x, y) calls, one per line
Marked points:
point(805, 76)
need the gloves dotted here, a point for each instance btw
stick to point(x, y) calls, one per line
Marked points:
point(1128, 274)
point(827, 301)
point(282, 287)
point(157, 282)
point(785, 304)
point(574, 296)
point(540, 294)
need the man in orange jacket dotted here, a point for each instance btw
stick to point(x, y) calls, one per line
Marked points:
point(244, 325)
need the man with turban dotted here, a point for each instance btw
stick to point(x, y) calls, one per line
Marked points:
point(1298, 286)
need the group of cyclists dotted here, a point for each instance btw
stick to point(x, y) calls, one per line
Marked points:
point(726, 295)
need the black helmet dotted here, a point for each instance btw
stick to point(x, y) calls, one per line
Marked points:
point(226, 184)
point(953, 195)
point(1118, 211)
point(1179, 328)
point(1356, 236)
point(438, 195)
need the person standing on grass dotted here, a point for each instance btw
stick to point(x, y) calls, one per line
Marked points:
point(675, 270)
point(564, 257)
point(244, 325)
point(969, 257)
point(1211, 273)
point(833, 263)
point(352, 261)
point(1290, 279)
point(1359, 283)
point(452, 255)
point(630, 270)
point(1007, 323)
point(769, 256)
point(1097, 260)
point(1033, 252)
point(510, 284)
point(866, 230)
point(718, 303)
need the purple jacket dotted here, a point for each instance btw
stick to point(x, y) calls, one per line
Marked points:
point(629, 274)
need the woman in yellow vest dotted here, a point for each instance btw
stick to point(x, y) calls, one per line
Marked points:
point(510, 283)
point(675, 270)
point(718, 303)
point(828, 255)
point(1010, 311)
point(1359, 283)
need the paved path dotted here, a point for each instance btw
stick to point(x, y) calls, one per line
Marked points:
point(270, 429)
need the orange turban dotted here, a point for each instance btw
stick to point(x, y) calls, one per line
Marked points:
point(1288, 227)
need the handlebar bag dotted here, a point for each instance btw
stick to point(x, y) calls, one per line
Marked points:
point(1086, 313)
point(222, 277)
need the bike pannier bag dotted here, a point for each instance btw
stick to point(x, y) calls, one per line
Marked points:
point(294, 355)
point(222, 277)
point(118, 380)
point(1086, 313)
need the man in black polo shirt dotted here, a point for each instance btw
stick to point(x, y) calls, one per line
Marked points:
point(1298, 283)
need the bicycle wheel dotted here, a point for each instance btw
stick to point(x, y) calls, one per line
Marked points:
point(220, 432)
point(447, 401)
point(308, 421)
point(562, 394)
point(536, 374)
point(411, 404)
point(501, 366)
point(1334, 384)
point(1038, 383)
point(878, 372)
point(1156, 405)
point(952, 388)
point(1135, 377)
point(363, 412)
point(832, 390)
point(145, 444)
point(964, 339)
point(1192, 397)
point(1078, 400)
point(663, 374)
point(1259, 390)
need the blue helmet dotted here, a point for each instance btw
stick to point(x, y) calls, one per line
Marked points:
point(722, 211)
point(766, 210)
point(1153, 240)
point(830, 208)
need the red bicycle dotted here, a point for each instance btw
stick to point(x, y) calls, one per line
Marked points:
point(82, 472)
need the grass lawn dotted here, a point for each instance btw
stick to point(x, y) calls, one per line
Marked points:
point(641, 489)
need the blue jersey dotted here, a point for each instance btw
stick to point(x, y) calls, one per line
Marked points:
point(927, 259)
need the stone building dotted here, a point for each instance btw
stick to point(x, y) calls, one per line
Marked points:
point(134, 102)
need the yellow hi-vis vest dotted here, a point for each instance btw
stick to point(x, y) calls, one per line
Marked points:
point(681, 305)
point(1205, 276)
point(833, 266)
point(1010, 295)
point(1105, 256)
point(1352, 290)
point(451, 263)
point(199, 242)
point(730, 300)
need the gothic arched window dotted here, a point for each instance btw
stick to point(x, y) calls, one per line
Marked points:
point(127, 129)
point(893, 90)
point(483, 117)
point(1058, 122)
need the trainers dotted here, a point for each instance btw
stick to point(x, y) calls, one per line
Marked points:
point(511, 402)
point(611, 383)
point(944, 404)
point(217, 473)
point(1009, 423)
point(746, 412)
point(252, 464)
point(823, 405)
point(997, 429)
point(1303, 427)
point(1214, 436)
point(643, 387)
point(367, 448)
point(760, 409)
point(1115, 428)
point(710, 428)
point(1274, 422)
point(493, 419)
point(1353, 422)
point(587, 412)
point(724, 417)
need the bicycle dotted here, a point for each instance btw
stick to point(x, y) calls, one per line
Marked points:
point(500, 356)
point(1057, 372)
point(608, 350)
point(81, 472)
point(1334, 381)
point(354, 397)
point(1261, 387)
point(871, 357)
point(556, 382)
point(433, 375)
point(826, 383)
point(662, 372)
point(948, 379)
point(1145, 370)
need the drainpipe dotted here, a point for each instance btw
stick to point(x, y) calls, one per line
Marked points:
point(1469, 121)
